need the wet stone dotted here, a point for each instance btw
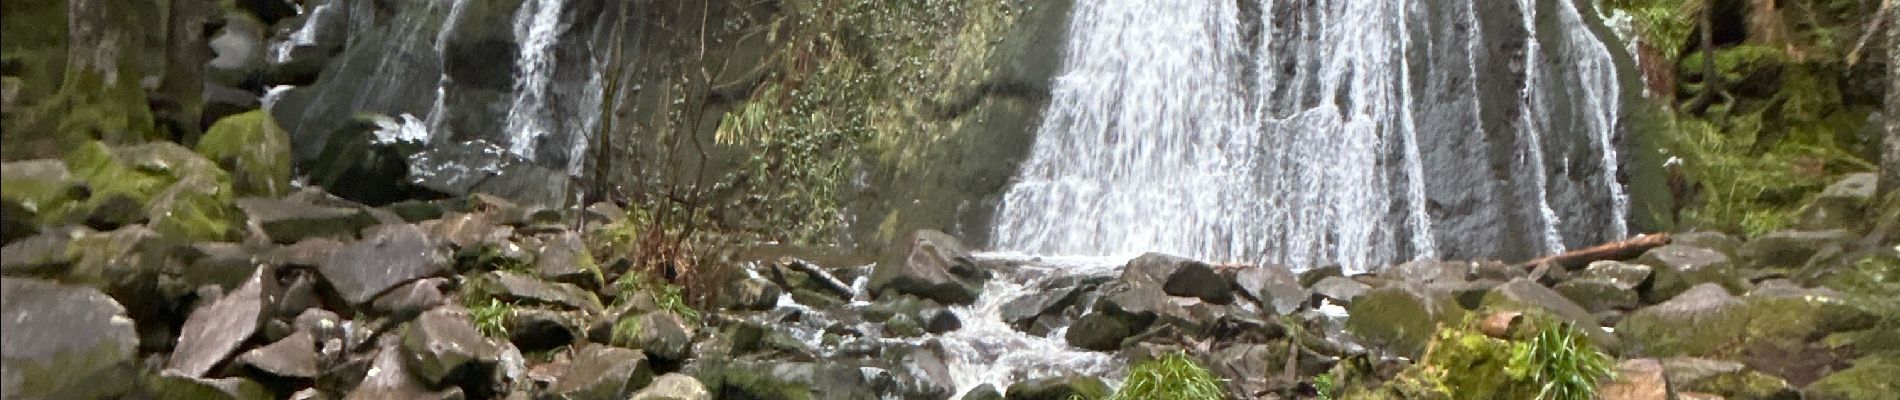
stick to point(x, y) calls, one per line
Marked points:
point(391, 255)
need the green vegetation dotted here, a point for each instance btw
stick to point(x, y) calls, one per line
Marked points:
point(491, 317)
point(1173, 376)
point(1555, 362)
point(666, 297)
point(1770, 119)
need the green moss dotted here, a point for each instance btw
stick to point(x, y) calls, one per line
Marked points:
point(1870, 378)
point(254, 148)
point(668, 297)
point(1553, 362)
point(1172, 376)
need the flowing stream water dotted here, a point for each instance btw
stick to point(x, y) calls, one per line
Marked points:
point(1168, 130)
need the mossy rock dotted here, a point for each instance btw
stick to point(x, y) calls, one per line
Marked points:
point(1708, 322)
point(1059, 388)
point(1731, 380)
point(1402, 316)
point(40, 193)
point(747, 382)
point(254, 148)
point(179, 192)
point(1871, 378)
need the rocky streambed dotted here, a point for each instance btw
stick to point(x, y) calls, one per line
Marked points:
point(141, 273)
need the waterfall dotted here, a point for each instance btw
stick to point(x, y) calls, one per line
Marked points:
point(536, 29)
point(1314, 132)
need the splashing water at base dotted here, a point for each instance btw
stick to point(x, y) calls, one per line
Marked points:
point(988, 350)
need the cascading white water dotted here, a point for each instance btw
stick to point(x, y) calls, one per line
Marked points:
point(1165, 132)
point(536, 30)
point(987, 350)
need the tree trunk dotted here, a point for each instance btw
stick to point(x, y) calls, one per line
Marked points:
point(186, 51)
point(1711, 78)
point(1890, 159)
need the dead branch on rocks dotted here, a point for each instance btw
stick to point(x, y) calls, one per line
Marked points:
point(1618, 250)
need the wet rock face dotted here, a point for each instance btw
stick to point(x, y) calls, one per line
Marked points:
point(388, 256)
point(934, 266)
point(63, 341)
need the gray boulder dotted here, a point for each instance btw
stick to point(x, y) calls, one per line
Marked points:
point(294, 356)
point(287, 221)
point(63, 342)
point(603, 373)
point(1177, 276)
point(442, 343)
point(172, 384)
point(673, 386)
point(1058, 388)
point(213, 332)
point(1401, 316)
point(1273, 286)
point(516, 288)
point(1791, 249)
point(933, 266)
point(388, 256)
point(1340, 290)
point(1678, 267)
point(660, 334)
point(1843, 205)
point(1598, 295)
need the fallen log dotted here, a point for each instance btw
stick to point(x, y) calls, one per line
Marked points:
point(1618, 250)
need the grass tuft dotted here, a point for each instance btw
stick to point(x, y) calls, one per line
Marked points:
point(1173, 376)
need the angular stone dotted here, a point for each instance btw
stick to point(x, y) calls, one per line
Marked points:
point(1274, 286)
point(39, 193)
point(1598, 295)
point(983, 392)
point(535, 329)
point(60, 341)
point(293, 357)
point(660, 334)
point(748, 294)
point(1058, 388)
point(1177, 276)
point(1843, 205)
point(1720, 242)
point(511, 287)
point(174, 385)
point(1638, 379)
point(565, 259)
point(1659, 330)
point(1870, 378)
point(48, 254)
point(1339, 290)
point(1523, 294)
point(442, 342)
point(932, 265)
point(1098, 332)
point(391, 255)
point(287, 221)
point(410, 299)
point(213, 332)
point(1402, 316)
point(254, 149)
point(1678, 267)
point(1623, 275)
point(388, 377)
point(673, 386)
point(1728, 379)
point(603, 373)
point(1791, 249)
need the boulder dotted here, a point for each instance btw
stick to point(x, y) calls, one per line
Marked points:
point(294, 356)
point(388, 377)
point(408, 300)
point(1791, 249)
point(1051, 305)
point(603, 373)
point(477, 166)
point(1339, 290)
point(1720, 242)
point(1177, 276)
point(1638, 379)
point(1870, 378)
point(254, 149)
point(1843, 205)
point(982, 392)
point(1523, 294)
point(1401, 316)
point(1678, 267)
point(354, 162)
point(63, 342)
point(933, 266)
point(388, 256)
point(1727, 379)
point(175, 385)
point(516, 288)
point(564, 258)
point(1058, 388)
point(673, 386)
point(287, 221)
point(1273, 286)
point(1658, 330)
point(662, 335)
point(39, 193)
point(176, 191)
point(49, 254)
point(748, 294)
point(1598, 295)
point(1624, 275)
point(214, 331)
point(536, 329)
point(442, 343)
